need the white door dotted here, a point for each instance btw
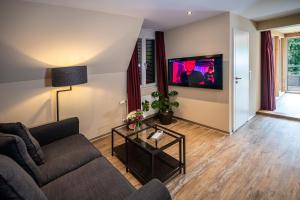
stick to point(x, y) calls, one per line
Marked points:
point(240, 78)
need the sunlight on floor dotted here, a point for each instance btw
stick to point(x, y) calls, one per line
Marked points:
point(289, 104)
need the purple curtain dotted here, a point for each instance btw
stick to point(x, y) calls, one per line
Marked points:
point(133, 83)
point(267, 72)
point(161, 63)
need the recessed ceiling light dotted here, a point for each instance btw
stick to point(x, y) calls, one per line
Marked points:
point(189, 12)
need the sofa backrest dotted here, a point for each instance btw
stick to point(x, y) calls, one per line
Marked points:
point(15, 183)
point(51, 132)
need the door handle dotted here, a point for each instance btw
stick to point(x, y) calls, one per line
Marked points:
point(237, 78)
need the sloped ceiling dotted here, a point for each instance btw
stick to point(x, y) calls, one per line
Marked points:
point(166, 14)
point(35, 37)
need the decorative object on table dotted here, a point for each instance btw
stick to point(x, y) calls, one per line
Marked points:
point(157, 135)
point(67, 76)
point(134, 119)
point(165, 105)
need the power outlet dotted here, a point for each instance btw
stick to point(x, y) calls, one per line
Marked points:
point(122, 101)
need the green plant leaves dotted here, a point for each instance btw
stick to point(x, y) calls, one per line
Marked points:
point(175, 104)
point(146, 106)
point(293, 51)
point(155, 104)
point(172, 93)
point(156, 94)
point(162, 103)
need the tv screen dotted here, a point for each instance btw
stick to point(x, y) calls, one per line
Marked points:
point(200, 71)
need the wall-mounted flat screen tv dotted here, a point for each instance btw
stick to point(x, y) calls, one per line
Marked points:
point(200, 71)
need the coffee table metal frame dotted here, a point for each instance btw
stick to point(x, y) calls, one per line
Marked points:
point(153, 151)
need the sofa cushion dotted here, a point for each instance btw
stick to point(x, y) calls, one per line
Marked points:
point(15, 183)
point(32, 144)
point(97, 179)
point(65, 155)
point(14, 147)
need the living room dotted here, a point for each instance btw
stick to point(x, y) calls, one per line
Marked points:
point(119, 55)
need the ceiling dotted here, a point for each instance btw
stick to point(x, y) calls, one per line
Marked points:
point(165, 14)
point(289, 29)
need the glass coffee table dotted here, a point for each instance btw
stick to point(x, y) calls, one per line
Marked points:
point(148, 158)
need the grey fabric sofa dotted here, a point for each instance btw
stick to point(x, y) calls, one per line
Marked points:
point(73, 169)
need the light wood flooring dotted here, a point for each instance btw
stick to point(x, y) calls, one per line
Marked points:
point(260, 161)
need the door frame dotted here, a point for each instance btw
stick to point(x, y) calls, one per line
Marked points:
point(234, 30)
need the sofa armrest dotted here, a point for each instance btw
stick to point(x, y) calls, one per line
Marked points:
point(153, 190)
point(51, 132)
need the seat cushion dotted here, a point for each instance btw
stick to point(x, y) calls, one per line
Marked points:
point(65, 155)
point(15, 183)
point(97, 179)
point(32, 145)
point(14, 147)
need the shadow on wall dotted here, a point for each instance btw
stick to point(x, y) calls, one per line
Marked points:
point(31, 68)
point(20, 98)
point(102, 62)
point(37, 99)
point(45, 107)
point(39, 36)
point(17, 66)
point(34, 106)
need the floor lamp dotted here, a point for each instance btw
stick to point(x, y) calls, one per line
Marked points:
point(67, 76)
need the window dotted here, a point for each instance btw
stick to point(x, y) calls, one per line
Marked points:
point(146, 57)
point(150, 61)
point(139, 48)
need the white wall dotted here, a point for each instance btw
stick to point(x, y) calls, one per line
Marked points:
point(95, 103)
point(214, 36)
point(35, 37)
point(207, 37)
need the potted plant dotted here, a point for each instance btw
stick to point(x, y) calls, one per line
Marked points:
point(165, 105)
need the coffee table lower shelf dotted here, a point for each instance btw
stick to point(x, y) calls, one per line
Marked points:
point(140, 164)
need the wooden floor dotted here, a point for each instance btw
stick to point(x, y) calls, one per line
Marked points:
point(260, 161)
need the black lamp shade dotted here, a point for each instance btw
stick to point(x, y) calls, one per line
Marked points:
point(67, 76)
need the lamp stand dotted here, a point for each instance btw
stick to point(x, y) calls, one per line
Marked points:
point(57, 100)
